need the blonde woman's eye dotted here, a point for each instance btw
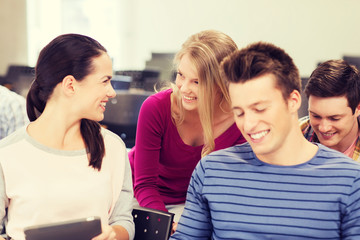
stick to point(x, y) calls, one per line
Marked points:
point(238, 114)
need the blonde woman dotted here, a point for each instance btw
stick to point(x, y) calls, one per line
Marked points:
point(179, 125)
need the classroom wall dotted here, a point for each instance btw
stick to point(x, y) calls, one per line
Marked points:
point(13, 33)
point(311, 31)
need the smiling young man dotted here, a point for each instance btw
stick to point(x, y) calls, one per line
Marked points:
point(333, 91)
point(278, 185)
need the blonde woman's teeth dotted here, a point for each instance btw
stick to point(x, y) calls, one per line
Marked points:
point(189, 98)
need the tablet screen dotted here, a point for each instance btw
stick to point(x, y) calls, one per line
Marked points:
point(79, 229)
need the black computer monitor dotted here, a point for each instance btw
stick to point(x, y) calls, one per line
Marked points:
point(122, 113)
point(121, 82)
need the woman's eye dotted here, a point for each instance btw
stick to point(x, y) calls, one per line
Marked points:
point(238, 114)
point(180, 76)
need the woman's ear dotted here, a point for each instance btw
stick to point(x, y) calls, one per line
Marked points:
point(294, 101)
point(68, 85)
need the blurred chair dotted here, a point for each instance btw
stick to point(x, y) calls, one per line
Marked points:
point(162, 62)
point(303, 110)
point(122, 113)
point(121, 82)
point(353, 60)
point(19, 78)
point(145, 79)
point(152, 224)
point(2, 80)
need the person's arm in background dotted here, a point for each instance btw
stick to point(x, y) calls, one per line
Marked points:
point(4, 202)
point(195, 222)
point(13, 112)
point(147, 153)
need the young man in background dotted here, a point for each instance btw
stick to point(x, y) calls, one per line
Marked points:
point(333, 92)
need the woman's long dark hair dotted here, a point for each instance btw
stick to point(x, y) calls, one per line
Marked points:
point(68, 54)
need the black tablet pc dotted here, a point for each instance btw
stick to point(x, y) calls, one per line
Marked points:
point(78, 229)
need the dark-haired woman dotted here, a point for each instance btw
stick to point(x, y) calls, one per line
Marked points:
point(63, 165)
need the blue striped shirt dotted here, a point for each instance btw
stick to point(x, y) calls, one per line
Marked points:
point(234, 195)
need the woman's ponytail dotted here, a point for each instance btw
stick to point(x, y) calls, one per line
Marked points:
point(34, 105)
point(91, 133)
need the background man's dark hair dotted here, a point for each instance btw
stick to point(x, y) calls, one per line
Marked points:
point(335, 78)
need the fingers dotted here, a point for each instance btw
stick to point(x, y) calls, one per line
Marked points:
point(108, 233)
point(174, 226)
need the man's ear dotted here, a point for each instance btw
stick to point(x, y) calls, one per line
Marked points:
point(294, 101)
point(68, 85)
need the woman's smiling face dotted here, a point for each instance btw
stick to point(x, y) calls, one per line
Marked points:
point(187, 81)
point(96, 89)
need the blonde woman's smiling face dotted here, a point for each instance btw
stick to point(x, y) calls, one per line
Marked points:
point(187, 81)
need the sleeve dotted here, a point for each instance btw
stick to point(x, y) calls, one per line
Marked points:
point(4, 202)
point(195, 222)
point(350, 226)
point(150, 129)
point(121, 214)
point(12, 112)
point(16, 116)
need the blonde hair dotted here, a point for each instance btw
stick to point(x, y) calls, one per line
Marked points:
point(206, 50)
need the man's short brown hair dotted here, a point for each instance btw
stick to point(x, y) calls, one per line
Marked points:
point(262, 58)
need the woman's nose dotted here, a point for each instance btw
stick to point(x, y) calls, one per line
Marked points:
point(111, 92)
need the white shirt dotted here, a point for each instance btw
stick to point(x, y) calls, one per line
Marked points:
point(44, 185)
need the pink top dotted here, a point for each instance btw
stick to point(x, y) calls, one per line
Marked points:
point(162, 163)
